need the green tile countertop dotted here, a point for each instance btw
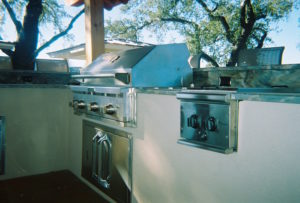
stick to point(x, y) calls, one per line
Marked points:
point(281, 95)
point(61, 86)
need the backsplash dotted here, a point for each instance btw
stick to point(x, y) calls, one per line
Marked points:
point(250, 76)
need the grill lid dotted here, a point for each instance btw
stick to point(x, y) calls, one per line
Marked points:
point(149, 66)
point(116, 62)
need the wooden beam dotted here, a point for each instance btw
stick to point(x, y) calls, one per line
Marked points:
point(94, 29)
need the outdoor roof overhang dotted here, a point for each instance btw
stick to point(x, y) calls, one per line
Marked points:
point(6, 45)
point(108, 4)
point(78, 51)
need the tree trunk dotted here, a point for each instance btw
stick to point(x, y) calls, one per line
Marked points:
point(23, 57)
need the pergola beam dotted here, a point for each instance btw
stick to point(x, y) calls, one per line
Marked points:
point(94, 24)
point(94, 29)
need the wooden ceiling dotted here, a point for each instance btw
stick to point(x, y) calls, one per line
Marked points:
point(108, 4)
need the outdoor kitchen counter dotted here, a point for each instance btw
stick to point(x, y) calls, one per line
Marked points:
point(163, 91)
point(282, 95)
point(34, 86)
point(246, 94)
point(34, 78)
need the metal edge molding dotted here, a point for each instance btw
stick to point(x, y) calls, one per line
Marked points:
point(2, 145)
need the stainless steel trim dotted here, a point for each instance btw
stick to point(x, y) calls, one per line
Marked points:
point(202, 97)
point(213, 90)
point(131, 102)
point(2, 145)
point(129, 183)
point(201, 146)
point(103, 75)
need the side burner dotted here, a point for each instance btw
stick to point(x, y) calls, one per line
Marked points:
point(208, 120)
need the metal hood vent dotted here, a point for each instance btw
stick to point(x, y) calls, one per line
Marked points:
point(150, 66)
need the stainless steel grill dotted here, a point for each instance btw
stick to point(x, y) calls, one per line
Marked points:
point(107, 92)
point(107, 86)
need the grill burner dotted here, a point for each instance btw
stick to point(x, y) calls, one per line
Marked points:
point(209, 119)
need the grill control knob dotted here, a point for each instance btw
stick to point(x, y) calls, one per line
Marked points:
point(110, 109)
point(94, 107)
point(211, 124)
point(81, 105)
point(193, 121)
point(74, 103)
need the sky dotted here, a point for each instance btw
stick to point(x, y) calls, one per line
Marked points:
point(288, 35)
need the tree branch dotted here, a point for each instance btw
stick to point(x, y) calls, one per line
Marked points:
point(144, 25)
point(59, 35)
point(261, 16)
point(131, 28)
point(207, 58)
point(203, 55)
point(179, 20)
point(13, 17)
point(260, 42)
point(219, 18)
point(243, 15)
point(247, 22)
point(248, 17)
point(251, 12)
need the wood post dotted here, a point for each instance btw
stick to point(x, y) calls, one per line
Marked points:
point(94, 29)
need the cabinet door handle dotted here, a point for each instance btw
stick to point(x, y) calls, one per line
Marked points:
point(95, 139)
point(105, 164)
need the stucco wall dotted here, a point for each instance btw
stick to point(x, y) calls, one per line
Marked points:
point(265, 168)
point(42, 135)
point(36, 129)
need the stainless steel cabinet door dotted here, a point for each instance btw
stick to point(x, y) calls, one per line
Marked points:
point(106, 160)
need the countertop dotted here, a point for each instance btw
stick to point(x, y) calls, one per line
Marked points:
point(62, 86)
point(282, 95)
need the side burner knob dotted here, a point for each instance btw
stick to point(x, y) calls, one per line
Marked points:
point(94, 107)
point(74, 103)
point(193, 121)
point(110, 109)
point(81, 105)
point(211, 124)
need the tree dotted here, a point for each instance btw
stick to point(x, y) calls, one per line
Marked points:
point(216, 29)
point(48, 12)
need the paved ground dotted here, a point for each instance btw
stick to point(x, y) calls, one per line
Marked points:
point(54, 187)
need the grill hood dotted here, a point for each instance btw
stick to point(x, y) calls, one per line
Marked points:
point(149, 66)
